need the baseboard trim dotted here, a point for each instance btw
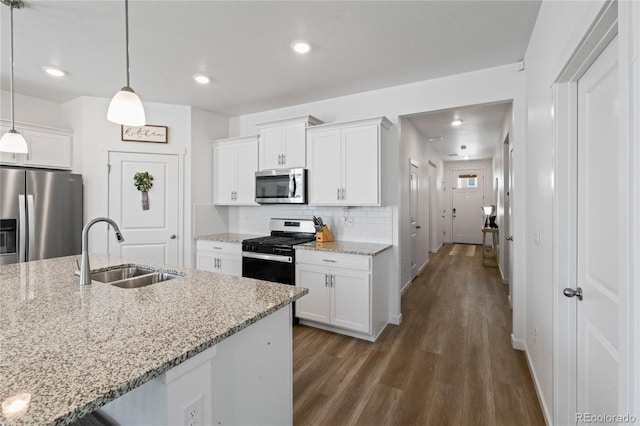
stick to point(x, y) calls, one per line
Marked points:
point(405, 287)
point(517, 344)
point(436, 250)
point(424, 265)
point(395, 319)
point(510, 302)
point(545, 410)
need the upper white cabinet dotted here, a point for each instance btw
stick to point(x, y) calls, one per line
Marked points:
point(235, 162)
point(48, 147)
point(344, 162)
point(283, 143)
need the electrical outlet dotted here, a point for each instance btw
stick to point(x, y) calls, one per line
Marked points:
point(193, 413)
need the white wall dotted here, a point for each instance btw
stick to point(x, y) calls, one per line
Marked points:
point(558, 30)
point(498, 167)
point(421, 152)
point(501, 83)
point(94, 136)
point(33, 111)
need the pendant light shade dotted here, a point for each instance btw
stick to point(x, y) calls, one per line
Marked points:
point(12, 141)
point(125, 107)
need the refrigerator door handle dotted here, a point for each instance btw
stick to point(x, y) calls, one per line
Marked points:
point(31, 212)
point(22, 229)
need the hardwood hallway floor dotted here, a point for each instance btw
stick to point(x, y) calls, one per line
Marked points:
point(450, 362)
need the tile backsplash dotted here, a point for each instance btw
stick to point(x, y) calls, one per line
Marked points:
point(366, 224)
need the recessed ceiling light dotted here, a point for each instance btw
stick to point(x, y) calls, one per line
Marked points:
point(55, 72)
point(456, 122)
point(301, 46)
point(466, 157)
point(201, 78)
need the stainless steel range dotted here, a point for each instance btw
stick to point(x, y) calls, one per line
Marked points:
point(272, 258)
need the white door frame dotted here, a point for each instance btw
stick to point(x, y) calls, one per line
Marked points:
point(186, 238)
point(603, 30)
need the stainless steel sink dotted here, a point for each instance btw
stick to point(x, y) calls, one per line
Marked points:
point(144, 280)
point(131, 276)
point(119, 274)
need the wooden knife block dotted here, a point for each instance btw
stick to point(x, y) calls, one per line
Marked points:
point(325, 235)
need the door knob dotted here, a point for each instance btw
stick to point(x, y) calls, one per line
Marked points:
point(418, 227)
point(172, 236)
point(510, 238)
point(569, 292)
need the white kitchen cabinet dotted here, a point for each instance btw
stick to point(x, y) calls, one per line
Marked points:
point(48, 148)
point(344, 162)
point(283, 143)
point(220, 257)
point(235, 162)
point(340, 292)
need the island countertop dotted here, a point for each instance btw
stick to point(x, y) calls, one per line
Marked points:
point(75, 348)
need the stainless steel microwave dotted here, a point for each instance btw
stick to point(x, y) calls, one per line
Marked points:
point(281, 186)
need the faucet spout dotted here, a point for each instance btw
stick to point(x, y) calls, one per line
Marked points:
point(85, 268)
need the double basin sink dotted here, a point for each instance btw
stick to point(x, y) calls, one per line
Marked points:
point(127, 276)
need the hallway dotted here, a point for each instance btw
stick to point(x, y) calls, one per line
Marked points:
point(449, 362)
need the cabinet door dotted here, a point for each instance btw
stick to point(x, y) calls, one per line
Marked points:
point(206, 262)
point(351, 299)
point(325, 167)
point(231, 265)
point(271, 148)
point(360, 155)
point(224, 173)
point(315, 305)
point(295, 145)
point(246, 166)
point(48, 150)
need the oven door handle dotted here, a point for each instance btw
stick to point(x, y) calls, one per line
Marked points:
point(273, 257)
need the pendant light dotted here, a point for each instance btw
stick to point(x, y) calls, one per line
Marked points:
point(126, 107)
point(12, 141)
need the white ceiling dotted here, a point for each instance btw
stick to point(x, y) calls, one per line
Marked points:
point(244, 47)
point(480, 130)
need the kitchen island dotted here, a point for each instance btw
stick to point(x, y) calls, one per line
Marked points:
point(73, 349)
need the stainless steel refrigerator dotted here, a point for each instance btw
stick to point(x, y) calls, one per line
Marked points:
point(40, 214)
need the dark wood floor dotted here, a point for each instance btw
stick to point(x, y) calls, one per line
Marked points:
point(450, 362)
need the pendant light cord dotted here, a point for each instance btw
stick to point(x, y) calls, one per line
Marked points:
point(13, 118)
point(126, 32)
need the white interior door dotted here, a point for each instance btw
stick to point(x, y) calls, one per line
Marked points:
point(413, 217)
point(151, 234)
point(433, 210)
point(598, 245)
point(467, 199)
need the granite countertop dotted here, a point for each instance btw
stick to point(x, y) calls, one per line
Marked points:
point(348, 247)
point(227, 237)
point(76, 348)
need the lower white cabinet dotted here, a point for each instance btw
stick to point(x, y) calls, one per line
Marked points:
point(336, 296)
point(344, 295)
point(220, 257)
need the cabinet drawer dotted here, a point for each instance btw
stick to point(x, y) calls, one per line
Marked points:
point(334, 260)
point(219, 247)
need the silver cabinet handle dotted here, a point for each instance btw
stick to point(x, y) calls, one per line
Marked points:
point(343, 193)
point(329, 260)
point(326, 280)
point(569, 292)
point(284, 159)
point(333, 280)
point(510, 238)
point(172, 236)
point(338, 196)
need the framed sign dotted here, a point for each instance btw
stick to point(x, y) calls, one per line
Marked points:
point(150, 133)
